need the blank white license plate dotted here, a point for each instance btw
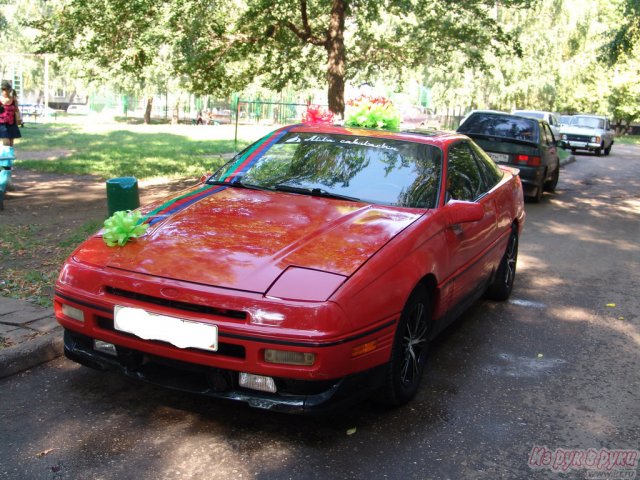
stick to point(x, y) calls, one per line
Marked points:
point(499, 157)
point(176, 331)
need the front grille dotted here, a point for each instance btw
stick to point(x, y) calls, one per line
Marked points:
point(578, 138)
point(189, 307)
point(224, 349)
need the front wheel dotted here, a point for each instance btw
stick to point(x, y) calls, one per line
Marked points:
point(410, 349)
point(500, 288)
point(607, 150)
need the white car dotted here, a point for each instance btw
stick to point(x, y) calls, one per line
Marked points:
point(78, 109)
point(553, 119)
point(588, 132)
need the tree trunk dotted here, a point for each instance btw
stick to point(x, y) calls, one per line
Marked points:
point(336, 56)
point(175, 116)
point(147, 110)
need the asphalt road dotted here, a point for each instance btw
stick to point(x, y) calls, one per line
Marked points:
point(558, 366)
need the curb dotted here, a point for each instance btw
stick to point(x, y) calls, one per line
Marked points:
point(30, 354)
point(568, 160)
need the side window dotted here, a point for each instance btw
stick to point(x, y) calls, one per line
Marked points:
point(549, 134)
point(490, 171)
point(464, 181)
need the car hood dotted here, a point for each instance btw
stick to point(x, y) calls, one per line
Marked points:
point(573, 130)
point(244, 239)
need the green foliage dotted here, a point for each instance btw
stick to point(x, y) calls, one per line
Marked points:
point(625, 34)
point(373, 113)
point(222, 46)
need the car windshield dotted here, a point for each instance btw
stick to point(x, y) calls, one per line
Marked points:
point(363, 168)
point(589, 122)
point(518, 128)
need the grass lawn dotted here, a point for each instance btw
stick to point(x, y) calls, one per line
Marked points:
point(628, 139)
point(144, 151)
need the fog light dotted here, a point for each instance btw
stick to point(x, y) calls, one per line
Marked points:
point(73, 312)
point(105, 347)
point(257, 382)
point(289, 358)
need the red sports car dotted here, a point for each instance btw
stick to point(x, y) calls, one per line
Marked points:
point(309, 272)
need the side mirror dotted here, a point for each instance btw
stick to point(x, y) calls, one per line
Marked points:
point(464, 212)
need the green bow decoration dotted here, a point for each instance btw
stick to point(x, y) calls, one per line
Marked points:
point(371, 112)
point(122, 226)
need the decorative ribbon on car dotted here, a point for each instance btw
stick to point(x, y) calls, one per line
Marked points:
point(251, 156)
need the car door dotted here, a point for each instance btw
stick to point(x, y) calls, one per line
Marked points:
point(549, 149)
point(554, 124)
point(469, 244)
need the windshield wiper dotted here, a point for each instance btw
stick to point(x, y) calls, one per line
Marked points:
point(315, 192)
point(238, 184)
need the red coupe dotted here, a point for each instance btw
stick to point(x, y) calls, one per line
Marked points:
point(309, 272)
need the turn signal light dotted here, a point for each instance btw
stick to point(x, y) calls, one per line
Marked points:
point(364, 348)
point(530, 160)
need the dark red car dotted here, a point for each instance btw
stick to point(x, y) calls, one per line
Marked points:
point(311, 271)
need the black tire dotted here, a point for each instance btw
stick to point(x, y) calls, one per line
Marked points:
point(551, 184)
point(500, 288)
point(599, 150)
point(410, 350)
point(573, 150)
point(538, 195)
point(607, 150)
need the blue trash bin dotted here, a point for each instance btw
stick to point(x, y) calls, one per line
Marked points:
point(7, 156)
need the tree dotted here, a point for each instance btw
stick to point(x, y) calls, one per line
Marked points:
point(626, 34)
point(288, 42)
point(124, 40)
point(224, 46)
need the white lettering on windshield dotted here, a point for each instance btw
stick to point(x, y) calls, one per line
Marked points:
point(367, 143)
point(324, 139)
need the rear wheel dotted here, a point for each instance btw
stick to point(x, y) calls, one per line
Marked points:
point(550, 185)
point(410, 349)
point(573, 150)
point(537, 197)
point(500, 288)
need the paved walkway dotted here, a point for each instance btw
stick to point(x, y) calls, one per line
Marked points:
point(29, 336)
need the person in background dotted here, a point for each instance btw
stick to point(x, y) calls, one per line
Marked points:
point(8, 125)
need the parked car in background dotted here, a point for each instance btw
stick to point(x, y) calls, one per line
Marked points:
point(565, 120)
point(310, 271)
point(464, 119)
point(588, 132)
point(78, 109)
point(553, 119)
point(522, 142)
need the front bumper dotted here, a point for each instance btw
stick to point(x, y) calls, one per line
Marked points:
point(583, 145)
point(294, 396)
